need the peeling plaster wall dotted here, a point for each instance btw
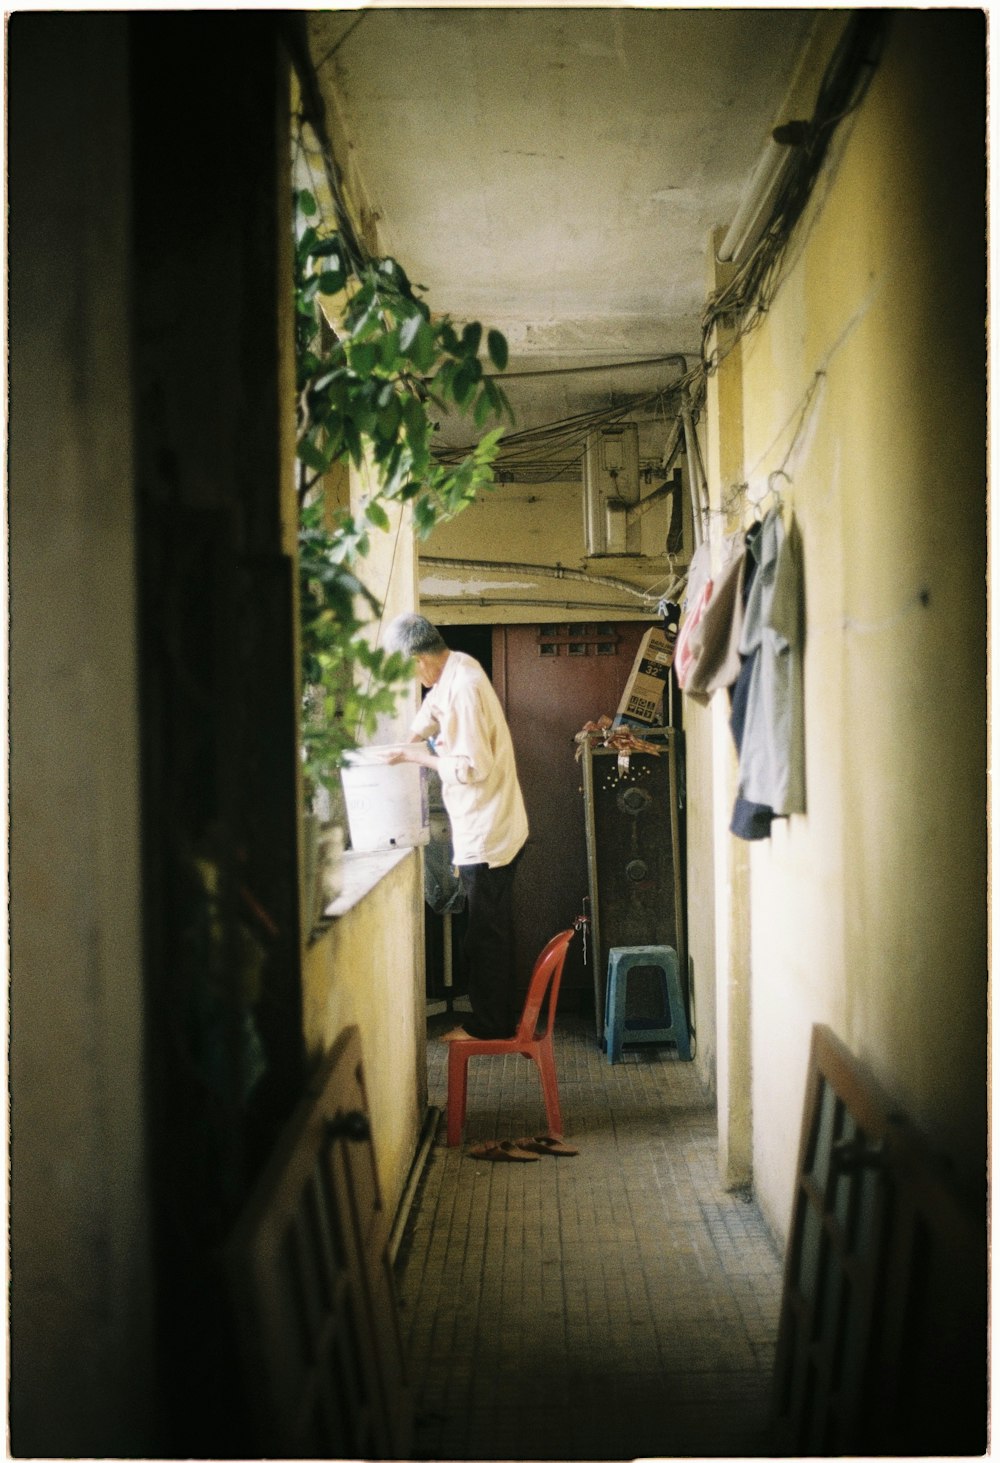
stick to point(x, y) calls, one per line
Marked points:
point(522, 524)
point(869, 912)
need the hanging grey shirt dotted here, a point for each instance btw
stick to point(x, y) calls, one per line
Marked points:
point(772, 756)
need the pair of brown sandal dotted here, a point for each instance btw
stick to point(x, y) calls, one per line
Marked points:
point(523, 1150)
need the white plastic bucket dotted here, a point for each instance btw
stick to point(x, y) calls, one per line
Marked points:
point(386, 805)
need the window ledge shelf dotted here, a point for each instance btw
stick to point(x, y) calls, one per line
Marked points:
point(360, 872)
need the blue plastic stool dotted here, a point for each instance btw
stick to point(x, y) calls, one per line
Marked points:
point(673, 1025)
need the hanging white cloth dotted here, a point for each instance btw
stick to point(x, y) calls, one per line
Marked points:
point(713, 643)
point(699, 592)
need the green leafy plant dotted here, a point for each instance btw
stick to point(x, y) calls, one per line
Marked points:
point(347, 684)
point(370, 389)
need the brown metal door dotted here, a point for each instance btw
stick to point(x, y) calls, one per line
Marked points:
point(551, 679)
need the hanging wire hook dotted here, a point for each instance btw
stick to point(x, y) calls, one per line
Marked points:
point(779, 472)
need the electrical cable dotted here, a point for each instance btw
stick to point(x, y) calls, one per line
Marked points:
point(363, 15)
point(569, 434)
point(313, 113)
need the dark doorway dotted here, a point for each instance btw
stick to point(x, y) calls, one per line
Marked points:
point(475, 640)
point(551, 680)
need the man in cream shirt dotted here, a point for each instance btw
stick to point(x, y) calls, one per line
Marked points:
point(474, 756)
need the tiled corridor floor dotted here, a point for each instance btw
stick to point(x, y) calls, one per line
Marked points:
point(615, 1305)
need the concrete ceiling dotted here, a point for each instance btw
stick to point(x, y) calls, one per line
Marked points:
point(558, 173)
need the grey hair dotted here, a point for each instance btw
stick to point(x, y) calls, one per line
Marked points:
point(413, 635)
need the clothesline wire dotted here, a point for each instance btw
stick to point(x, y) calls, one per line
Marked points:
point(739, 493)
point(800, 409)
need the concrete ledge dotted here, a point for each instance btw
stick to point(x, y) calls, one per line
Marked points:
point(361, 872)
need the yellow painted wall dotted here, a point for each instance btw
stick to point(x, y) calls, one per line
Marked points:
point(701, 891)
point(866, 382)
point(367, 970)
point(718, 871)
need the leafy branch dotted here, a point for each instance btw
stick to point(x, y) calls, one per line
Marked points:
point(337, 709)
point(369, 391)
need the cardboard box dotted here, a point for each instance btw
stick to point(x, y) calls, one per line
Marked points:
point(643, 695)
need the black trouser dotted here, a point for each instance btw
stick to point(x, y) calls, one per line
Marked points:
point(489, 948)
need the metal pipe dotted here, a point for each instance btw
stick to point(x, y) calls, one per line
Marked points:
point(432, 1117)
point(694, 474)
point(551, 571)
point(671, 359)
point(446, 958)
point(594, 607)
point(673, 444)
point(755, 210)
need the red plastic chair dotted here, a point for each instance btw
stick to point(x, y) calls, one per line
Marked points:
point(545, 980)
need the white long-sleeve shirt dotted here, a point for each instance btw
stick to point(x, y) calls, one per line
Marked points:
point(479, 783)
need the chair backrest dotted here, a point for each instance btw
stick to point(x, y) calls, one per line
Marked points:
point(545, 978)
